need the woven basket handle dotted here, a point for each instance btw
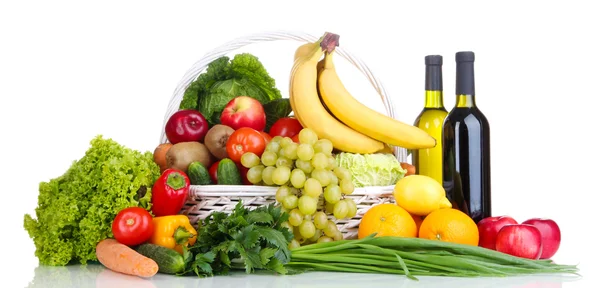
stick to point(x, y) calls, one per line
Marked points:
point(201, 65)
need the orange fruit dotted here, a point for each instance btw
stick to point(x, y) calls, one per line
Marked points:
point(387, 220)
point(450, 225)
point(418, 220)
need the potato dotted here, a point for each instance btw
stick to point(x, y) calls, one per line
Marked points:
point(182, 154)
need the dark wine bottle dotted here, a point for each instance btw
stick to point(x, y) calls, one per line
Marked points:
point(466, 147)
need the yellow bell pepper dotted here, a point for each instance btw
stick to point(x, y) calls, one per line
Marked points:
point(173, 231)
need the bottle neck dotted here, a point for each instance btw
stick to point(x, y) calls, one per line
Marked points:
point(465, 84)
point(465, 101)
point(434, 99)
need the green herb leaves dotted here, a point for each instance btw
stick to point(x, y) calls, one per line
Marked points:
point(245, 239)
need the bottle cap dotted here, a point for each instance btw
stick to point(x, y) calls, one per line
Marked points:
point(433, 60)
point(465, 56)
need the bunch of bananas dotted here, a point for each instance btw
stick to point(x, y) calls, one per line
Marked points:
point(322, 103)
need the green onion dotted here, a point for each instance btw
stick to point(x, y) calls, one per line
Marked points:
point(417, 257)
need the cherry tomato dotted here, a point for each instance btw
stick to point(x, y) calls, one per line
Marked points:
point(245, 140)
point(285, 127)
point(133, 226)
point(296, 138)
point(244, 173)
point(268, 137)
point(212, 171)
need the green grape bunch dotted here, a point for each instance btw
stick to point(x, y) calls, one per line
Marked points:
point(311, 187)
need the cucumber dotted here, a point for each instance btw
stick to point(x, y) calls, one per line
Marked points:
point(169, 261)
point(228, 173)
point(198, 174)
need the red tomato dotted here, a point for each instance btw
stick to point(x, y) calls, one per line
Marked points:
point(245, 140)
point(296, 138)
point(285, 127)
point(212, 171)
point(133, 226)
point(268, 137)
point(244, 173)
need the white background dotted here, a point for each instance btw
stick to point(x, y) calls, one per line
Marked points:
point(72, 70)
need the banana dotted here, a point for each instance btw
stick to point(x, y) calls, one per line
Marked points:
point(311, 113)
point(362, 118)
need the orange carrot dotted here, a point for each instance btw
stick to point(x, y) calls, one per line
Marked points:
point(410, 169)
point(120, 258)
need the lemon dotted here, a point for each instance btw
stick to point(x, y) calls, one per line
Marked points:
point(420, 195)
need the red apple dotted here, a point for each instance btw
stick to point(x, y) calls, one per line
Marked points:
point(550, 235)
point(244, 111)
point(186, 126)
point(521, 240)
point(489, 227)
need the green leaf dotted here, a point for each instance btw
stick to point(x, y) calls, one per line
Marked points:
point(275, 110)
point(224, 257)
point(259, 217)
point(266, 254)
point(277, 239)
point(277, 266)
point(248, 236)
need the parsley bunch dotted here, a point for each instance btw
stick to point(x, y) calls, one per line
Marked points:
point(245, 239)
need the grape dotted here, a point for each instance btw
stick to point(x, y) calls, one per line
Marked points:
point(318, 234)
point(322, 239)
point(321, 220)
point(331, 229)
point(307, 229)
point(322, 176)
point(276, 139)
point(319, 161)
point(295, 217)
point(332, 178)
point(331, 164)
point(304, 166)
point(308, 136)
point(282, 192)
point(288, 225)
point(351, 207)
point(328, 207)
point(312, 187)
point(290, 151)
point(268, 158)
point(295, 191)
point(284, 162)
point(340, 210)
point(297, 178)
point(307, 205)
point(324, 146)
point(254, 174)
point(272, 147)
point(298, 236)
point(285, 141)
point(342, 173)
point(281, 175)
point(290, 202)
point(267, 175)
point(332, 194)
point(293, 244)
point(250, 160)
point(307, 217)
point(305, 152)
point(347, 186)
point(338, 236)
point(281, 153)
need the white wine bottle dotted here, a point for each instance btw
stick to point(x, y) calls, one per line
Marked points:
point(466, 147)
point(429, 162)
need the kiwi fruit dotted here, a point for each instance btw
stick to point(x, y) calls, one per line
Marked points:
point(216, 140)
point(182, 154)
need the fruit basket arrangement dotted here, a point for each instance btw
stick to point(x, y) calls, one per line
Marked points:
point(244, 178)
point(333, 124)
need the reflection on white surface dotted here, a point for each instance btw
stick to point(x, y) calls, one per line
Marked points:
point(96, 276)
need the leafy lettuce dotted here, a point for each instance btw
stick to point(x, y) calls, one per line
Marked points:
point(75, 211)
point(378, 169)
point(224, 80)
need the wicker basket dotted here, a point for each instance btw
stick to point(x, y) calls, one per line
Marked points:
point(203, 200)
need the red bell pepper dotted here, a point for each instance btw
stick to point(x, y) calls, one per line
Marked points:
point(170, 192)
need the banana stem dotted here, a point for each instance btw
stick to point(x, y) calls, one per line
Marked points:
point(330, 41)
